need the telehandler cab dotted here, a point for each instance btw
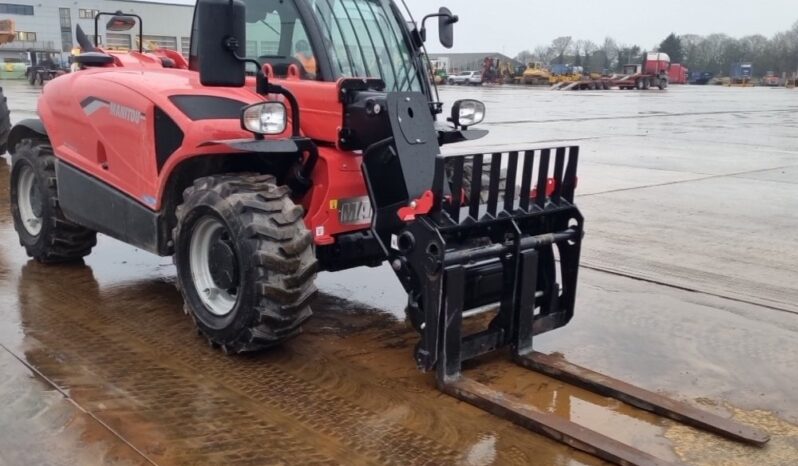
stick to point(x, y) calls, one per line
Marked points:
point(301, 135)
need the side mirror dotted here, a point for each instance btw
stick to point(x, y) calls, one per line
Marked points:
point(120, 22)
point(446, 22)
point(467, 112)
point(220, 32)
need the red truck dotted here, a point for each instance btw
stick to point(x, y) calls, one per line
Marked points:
point(678, 74)
point(652, 73)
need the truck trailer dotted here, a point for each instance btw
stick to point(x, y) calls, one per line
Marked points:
point(678, 74)
point(741, 74)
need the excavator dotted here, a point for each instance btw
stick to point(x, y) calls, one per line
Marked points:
point(254, 174)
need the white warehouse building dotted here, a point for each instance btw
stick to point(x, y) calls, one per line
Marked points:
point(49, 25)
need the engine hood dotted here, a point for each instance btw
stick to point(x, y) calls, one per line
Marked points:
point(167, 82)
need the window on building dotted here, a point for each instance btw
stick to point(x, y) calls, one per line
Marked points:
point(118, 41)
point(66, 18)
point(66, 41)
point(164, 42)
point(252, 48)
point(14, 9)
point(185, 46)
point(26, 36)
point(87, 14)
point(268, 48)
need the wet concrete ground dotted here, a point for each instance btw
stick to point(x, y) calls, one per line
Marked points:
point(689, 287)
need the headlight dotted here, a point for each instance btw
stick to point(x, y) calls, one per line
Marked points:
point(468, 112)
point(264, 118)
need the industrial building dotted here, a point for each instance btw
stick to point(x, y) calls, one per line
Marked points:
point(457, 62)
point(49, 25)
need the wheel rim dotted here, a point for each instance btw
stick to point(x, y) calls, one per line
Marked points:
point(214, 266)
point(29, 201)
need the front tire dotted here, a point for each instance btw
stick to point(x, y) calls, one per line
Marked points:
point(245, 261)
point(42, 227)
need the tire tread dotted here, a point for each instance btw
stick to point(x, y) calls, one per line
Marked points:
point(284, 263)
point(64, 241)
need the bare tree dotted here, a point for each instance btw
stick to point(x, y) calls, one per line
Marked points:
point(587, 46)
point(525, 56)
point(610, 52)
point(560, 46)
point(544, 54)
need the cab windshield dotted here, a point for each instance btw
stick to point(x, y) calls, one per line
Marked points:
point(365, 39)
point(361, 38)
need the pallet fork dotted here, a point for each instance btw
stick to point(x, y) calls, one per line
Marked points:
point(516, 255)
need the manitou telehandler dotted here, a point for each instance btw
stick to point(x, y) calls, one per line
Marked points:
point(319, 152)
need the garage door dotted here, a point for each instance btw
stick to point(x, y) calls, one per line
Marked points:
point(118, 41)
point(185, 46)
point(164, 42)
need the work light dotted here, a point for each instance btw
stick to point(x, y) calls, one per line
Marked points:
point(264, 118)
point(467, 112)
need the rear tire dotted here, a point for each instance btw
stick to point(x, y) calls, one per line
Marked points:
point(468, 169)
point(245, 261)
point(42, 227)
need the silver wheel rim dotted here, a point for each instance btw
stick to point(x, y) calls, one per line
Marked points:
point(27, 214)
point(218, 301)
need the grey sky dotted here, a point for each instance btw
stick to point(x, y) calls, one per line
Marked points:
point(510, 26)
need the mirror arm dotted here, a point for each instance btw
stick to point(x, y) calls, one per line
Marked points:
point(452, 19)
point(276, 89)
point(263, 87)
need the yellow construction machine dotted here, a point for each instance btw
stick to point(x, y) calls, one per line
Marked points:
point(536, 74)
point(565, 74)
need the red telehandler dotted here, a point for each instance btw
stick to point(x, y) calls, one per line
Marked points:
point(319, 152)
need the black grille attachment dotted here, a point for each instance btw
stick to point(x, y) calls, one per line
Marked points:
point(503, 232)
point(488, 186)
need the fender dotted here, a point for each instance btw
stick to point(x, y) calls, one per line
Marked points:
point(28, 128)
